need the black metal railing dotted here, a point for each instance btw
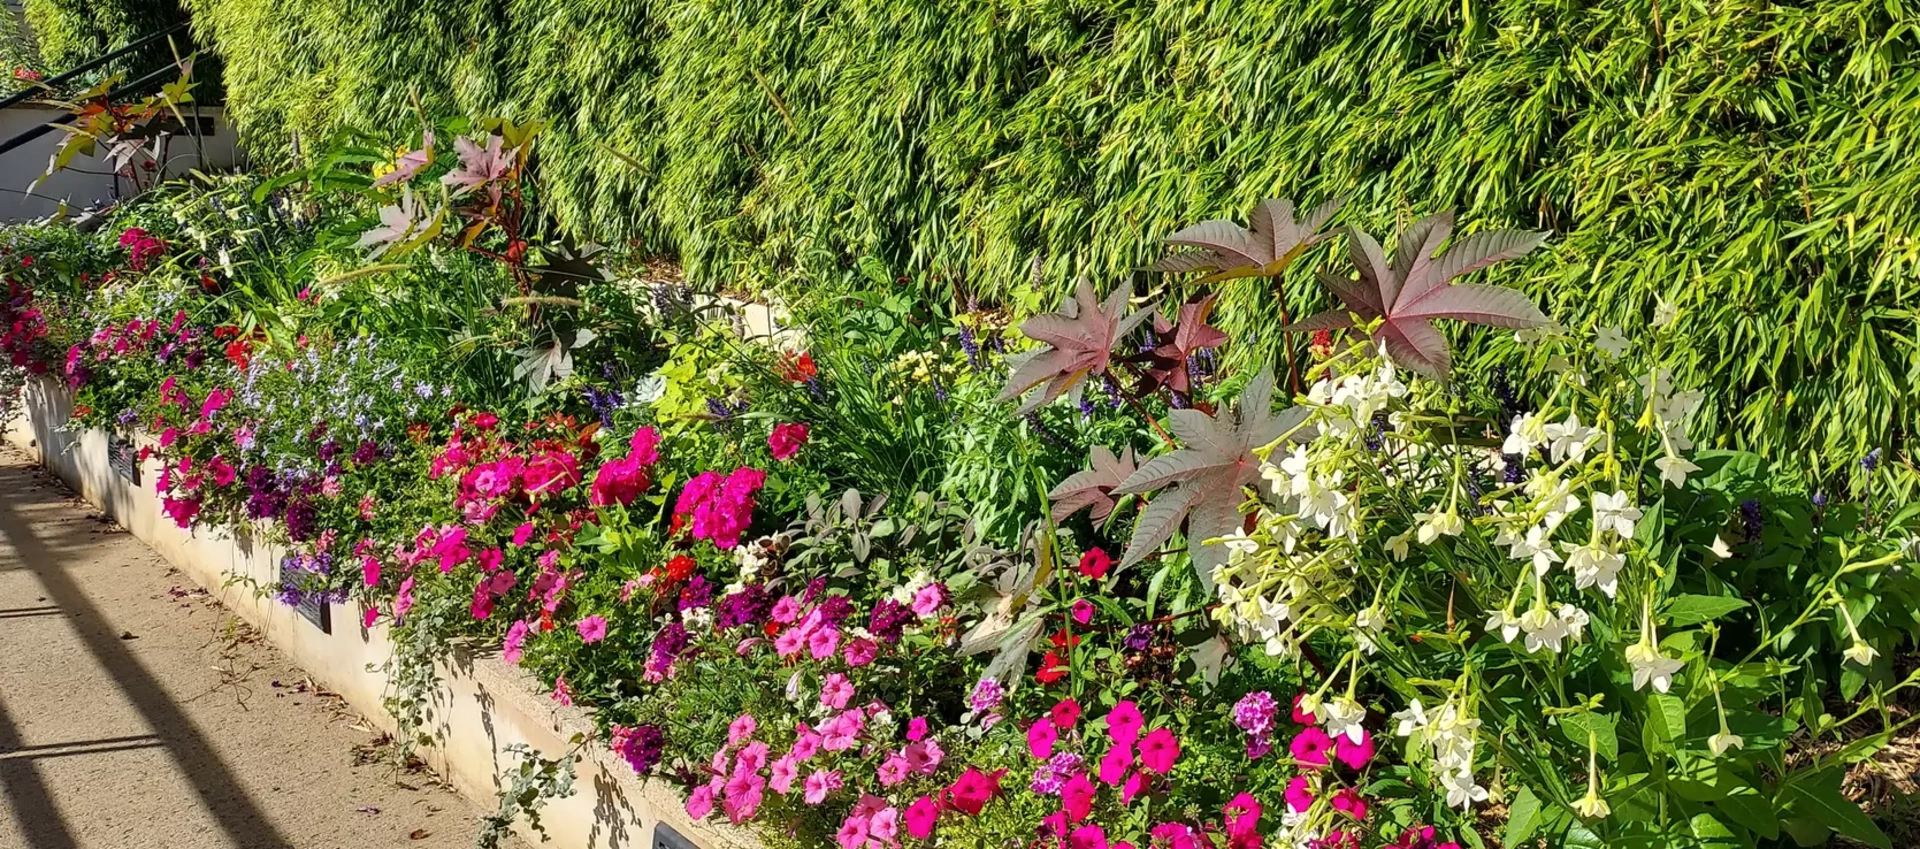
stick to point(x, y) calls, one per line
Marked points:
point(70, 76)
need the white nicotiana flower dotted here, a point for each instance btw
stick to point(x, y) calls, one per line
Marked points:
point(1569, 439)
point(1861, 653)
point(1593, 565)
point(1674, 469)
point(1651, 667)
point(1410, 720)
point(1239, 544)
point(1342, 718)
point(1592, 807)
point(1462, 792)
point(1367, 626)
point(1723, 741)
point(1615, 512)
point(1438, 524)
point(1504, 623)
point(1543, 630)
point(1610, 341)
point(1664, 313)
point(1536, 546)
point(1526, 433)
point(1398, 545)
point(1574, 620)
point(1720, 549)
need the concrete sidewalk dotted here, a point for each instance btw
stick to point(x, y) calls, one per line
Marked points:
point(135, 712)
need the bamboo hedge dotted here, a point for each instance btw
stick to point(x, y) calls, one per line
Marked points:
point(1743, 159)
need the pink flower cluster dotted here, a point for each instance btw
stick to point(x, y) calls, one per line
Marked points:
point(1132, 760)
point(621, 481)
point(141, 248)
point(720, 506)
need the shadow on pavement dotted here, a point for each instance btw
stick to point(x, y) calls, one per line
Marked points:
point(220, 792)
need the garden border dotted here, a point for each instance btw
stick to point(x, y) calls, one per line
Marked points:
point(484, 705)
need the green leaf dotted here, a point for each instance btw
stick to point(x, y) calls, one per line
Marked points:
point(1666, 723)
point(1523, 818)
point(1694, 609)
point(1747, 807)
point(1820, 798)
point(1579, 836)
point(1601, 726)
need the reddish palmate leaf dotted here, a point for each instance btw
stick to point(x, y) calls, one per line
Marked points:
point(1080, 340)
point(1270, 242)
point(1178, 342)
point(1415, 288)
point(1205, 481)
point(1093, 488)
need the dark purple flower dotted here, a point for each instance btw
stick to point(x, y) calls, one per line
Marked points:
point(889, 619)
point(835, 609)
point(1751, 520)
point(1139, 637)
point(697, 593)
point(749, 606)
point(302, 519)
point(640, 746)
point(366, 454)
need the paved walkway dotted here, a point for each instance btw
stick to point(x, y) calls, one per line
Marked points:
point(135, 712)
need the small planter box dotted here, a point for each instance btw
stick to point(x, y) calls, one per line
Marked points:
point(485, 705)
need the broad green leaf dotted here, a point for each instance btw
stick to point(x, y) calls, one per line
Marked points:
point(1819, 797)
point(1694, 609)
point(1666, 722)
point(1577, 726)
point(1523, 817)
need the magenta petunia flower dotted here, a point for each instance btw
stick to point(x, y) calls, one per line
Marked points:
point(1158, 750)
point(1124, 722)
point(921, 817)
point(787, 440)
point(1310, 746)
point(1040, 739)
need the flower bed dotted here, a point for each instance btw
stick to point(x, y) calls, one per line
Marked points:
point(933, 579)
point(493, 715)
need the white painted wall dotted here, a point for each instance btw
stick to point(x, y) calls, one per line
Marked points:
point(20, 166)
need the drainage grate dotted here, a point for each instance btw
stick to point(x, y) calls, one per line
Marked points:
point(664, 837)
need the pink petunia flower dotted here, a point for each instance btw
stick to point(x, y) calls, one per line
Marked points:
point(819, 784)
point(1299, 795)
point(1041, 736)
point(921, 817)
point(836, 691)
point(1115, 764)
point(592, 629)
point(1354, 755)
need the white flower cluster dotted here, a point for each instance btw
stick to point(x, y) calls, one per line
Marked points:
point(1450, 736)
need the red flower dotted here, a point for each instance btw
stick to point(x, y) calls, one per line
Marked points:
point(1065, 714)
point(680, 568)
point(798, 369)
point(1095, 563)
point(1052, 668)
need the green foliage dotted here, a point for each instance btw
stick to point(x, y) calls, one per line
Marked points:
point(1737, 159)
point(72, 32)
point(16, 53)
